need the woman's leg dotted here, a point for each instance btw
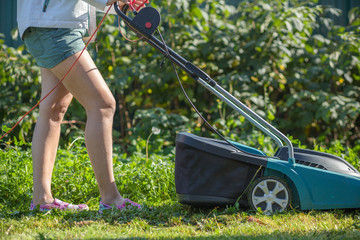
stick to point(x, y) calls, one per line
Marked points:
point(46, 135)
point(86, 84)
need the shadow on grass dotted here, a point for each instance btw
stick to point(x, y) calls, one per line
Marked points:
point(167, 214)
point(204, 221)
point(172, 212)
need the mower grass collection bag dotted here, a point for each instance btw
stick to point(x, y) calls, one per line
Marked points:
point(211, 172)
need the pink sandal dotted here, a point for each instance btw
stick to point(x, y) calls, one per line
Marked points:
point(58, 204)
point(126, 204)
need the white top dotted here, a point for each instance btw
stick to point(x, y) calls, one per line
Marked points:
point(55, 13)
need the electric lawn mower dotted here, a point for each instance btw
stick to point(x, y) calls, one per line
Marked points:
point(210, 172)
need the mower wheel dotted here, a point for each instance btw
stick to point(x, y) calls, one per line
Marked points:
point(269, 194)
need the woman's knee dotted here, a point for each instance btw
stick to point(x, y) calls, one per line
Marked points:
point(110, 107)
point(105, 108)
point(54, 112)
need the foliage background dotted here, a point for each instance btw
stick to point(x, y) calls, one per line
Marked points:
point(288, 62)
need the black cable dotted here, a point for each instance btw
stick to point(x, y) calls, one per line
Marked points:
point(191, 103)
point(187, 97)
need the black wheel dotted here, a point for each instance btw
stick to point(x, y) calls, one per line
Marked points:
point(270, 194)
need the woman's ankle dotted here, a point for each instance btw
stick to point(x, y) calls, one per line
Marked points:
point(112, 200)
point(42, 200)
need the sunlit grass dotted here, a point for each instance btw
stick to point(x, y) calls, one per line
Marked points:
point(150, 183)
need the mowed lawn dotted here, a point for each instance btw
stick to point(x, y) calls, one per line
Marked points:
point(173, 220)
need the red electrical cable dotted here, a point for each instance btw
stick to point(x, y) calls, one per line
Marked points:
point(136, 5)
point(61, 79)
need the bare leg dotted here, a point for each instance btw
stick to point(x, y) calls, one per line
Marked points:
point(46, 136)
point(86, 84)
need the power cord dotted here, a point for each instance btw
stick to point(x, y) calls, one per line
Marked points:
point(189, 100)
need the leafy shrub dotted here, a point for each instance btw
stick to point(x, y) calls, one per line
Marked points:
point(168, 124)
point(20, 89)
point(269, 54)
point(287, 61)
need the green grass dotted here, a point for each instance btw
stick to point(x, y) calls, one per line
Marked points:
point(150, 183)
point(171, 220)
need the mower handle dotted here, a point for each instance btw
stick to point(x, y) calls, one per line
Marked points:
point(146, 22)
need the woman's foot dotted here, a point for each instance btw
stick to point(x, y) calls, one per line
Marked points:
point(58, 204)
point(127, 204)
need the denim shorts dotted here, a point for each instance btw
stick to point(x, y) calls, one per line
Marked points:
point(51, 46)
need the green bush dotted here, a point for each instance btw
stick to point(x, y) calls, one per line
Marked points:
point(288, 62)
point(269, 54)
point(20, 89)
